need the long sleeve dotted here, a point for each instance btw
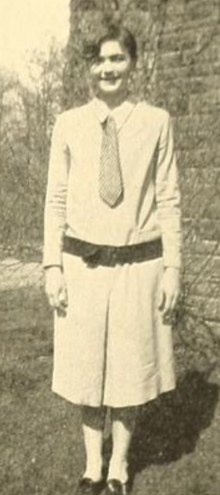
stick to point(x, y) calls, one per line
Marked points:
point(55, 207)
point(168, 197)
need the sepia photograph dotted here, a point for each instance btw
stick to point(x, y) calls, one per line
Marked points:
point(109, 247)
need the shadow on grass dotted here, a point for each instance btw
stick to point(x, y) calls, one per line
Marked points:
point(170, 426)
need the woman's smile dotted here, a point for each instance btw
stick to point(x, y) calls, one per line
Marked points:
point(110, 71)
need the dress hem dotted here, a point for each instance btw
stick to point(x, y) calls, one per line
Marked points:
point(136, 403)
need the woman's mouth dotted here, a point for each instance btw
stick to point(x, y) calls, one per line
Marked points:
point(110, 78)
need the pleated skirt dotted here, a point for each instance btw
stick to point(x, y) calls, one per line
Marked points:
point(112, 347)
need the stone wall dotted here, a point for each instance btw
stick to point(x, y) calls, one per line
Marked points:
point(179, 69)
point(188, 84)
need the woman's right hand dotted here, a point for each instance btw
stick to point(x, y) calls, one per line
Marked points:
point(55, 288)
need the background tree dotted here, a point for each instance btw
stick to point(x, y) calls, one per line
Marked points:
point(27, 113)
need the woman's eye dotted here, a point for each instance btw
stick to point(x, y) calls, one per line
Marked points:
point(97, 61)
point(117, 58)
point(113, 58)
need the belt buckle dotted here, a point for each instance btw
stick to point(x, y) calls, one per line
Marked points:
point(93, 256)
point(111, 256)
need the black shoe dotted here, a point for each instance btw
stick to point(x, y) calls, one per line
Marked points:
point(87, 486)
point(116, 487)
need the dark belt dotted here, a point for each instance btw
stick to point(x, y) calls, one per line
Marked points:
point(96, 254)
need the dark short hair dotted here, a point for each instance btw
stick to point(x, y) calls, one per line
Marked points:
point(113, 32)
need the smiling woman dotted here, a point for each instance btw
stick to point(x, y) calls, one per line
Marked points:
point(111, 68)
point(112, 256)
point(110, 72)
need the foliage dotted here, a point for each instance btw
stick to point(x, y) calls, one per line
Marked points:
point(27, 113)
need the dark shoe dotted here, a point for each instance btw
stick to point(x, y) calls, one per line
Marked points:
point(89, 487)
point(116, 487)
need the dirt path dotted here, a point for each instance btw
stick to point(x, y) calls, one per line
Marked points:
point(15, 274)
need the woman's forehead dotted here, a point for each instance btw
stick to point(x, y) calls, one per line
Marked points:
point(111, 47)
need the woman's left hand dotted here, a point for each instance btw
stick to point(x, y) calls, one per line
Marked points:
point(170, 291)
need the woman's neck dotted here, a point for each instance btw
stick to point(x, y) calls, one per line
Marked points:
point(113, 101)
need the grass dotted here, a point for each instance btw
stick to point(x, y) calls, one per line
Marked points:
point(176, 448)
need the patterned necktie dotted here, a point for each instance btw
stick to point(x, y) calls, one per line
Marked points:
point(110, 179)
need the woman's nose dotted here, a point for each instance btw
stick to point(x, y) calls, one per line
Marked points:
point(107, 66)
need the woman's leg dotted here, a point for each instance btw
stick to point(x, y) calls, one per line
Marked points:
point(123, 424)
point(93, 422)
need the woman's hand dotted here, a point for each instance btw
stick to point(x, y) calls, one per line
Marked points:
point(170, 291)
point(55, 288)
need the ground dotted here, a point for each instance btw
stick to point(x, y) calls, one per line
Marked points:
point(176, 448)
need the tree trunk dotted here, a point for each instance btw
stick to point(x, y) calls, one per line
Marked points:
point(88, 18)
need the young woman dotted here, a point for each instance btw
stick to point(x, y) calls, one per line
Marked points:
point(112, 256)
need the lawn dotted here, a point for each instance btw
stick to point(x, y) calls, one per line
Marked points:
point(176, 448)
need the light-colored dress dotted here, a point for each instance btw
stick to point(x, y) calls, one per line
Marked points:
point(112, 347)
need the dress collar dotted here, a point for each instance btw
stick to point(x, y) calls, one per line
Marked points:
point(120, 113)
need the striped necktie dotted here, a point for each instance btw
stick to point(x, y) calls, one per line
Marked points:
point(110, 178)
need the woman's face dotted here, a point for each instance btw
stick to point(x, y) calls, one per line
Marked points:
point(111, 70)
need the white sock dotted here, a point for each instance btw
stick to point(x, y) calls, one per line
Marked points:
point(94, 469)
point(118, 469)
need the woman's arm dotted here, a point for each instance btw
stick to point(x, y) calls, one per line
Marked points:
point(169, 213)
point(55, 206)
point(55, 217)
